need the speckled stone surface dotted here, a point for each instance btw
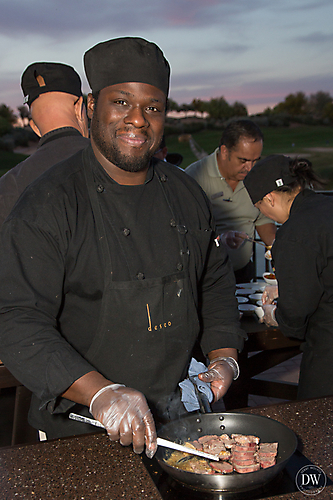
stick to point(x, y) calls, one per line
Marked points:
point(85, 467)
point(312, 422)
point(92, 467)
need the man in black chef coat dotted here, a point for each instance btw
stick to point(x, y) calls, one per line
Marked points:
point(58, 116)
point(109, 271)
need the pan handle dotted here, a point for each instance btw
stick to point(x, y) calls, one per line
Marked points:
point(202, 398)
point(204, 403)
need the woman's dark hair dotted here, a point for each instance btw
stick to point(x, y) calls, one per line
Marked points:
point(305, 176)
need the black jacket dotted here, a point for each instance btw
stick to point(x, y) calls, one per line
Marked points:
point(53, 147)
point(51, 290)
point(303, 258)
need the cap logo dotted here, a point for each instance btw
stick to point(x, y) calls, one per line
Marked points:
point(40, 81)
point(279, 182)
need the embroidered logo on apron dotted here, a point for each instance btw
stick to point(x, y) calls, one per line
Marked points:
point(155, 327)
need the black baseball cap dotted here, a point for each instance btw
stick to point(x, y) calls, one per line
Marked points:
point(126, 59)
point(41, 77)
point(267, 175)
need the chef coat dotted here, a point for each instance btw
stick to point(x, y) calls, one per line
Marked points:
point(79, 295)
point(303, 259)
point(55, 146)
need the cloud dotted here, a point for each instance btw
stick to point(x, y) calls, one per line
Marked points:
point(62, 18)
point(302, 6)
point(249, 90)
point(315, 37)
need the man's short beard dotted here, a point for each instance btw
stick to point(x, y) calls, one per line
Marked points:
point(112, 153)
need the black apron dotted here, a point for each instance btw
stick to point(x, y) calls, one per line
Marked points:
point(147, 327)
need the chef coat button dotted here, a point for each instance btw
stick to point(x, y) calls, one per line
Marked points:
point(100, 188)
point(140, 276)
point(163, 178)
point(126, 231)
point(173, 223)
point(181, 229)
point(179, 266)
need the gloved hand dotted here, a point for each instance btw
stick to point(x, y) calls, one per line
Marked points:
point(270, 293)
point(269, 316)
point(233, 239)
point(125, 414)
point(220, 376)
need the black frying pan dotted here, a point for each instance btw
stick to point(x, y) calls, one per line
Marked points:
point(194, 426)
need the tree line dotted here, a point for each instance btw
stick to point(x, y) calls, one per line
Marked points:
point(318, 105)
point(312, 109)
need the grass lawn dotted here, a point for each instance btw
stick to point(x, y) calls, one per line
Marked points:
point(292, 140)
point(281, 140)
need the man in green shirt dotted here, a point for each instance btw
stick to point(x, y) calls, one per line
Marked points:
point(221, 176)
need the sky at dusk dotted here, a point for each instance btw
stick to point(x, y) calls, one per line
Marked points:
point(255, 52)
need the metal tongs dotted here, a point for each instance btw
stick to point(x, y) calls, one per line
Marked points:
point(201, 397)
point(160, 441)
point(247, 238)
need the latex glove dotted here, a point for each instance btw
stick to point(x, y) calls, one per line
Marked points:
point(233, 239)
point(125, 414)
point(269, 316)
point(220, 376)
point(270, 293)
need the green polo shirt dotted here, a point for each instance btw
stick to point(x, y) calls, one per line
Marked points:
point(233, 210)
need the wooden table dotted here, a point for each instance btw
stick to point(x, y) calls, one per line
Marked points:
point(271, 348)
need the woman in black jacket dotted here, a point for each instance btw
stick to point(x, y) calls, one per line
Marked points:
point(302, 253)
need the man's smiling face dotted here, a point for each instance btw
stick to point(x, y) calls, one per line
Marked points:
point(128, 123)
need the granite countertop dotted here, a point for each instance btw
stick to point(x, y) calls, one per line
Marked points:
point(84, 467)
point(92, 467)
point(312, 422)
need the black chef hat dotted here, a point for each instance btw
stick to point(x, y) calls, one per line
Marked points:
point(126, 60)
point(267, 175)
point(42, 77)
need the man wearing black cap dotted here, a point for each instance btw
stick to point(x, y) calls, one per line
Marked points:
point(58, 116)
point(127, 244)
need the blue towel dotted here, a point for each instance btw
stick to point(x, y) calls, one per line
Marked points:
point(189, 397)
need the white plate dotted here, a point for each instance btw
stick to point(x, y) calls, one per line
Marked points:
point(255, 296)
point(244, 291)
point(244, 285)
point(247, 309)
point(241, 300)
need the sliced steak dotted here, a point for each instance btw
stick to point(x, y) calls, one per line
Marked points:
point(243, 455)
point(269, 454)
point(267, 463)
point(197, 445)
point(243, 469)
point(200, 467)
point(268, 448)
point(249, 461)
point(228, 442)
point(242, 438)
point(215, 446)
point(222, 467)
point(247, 447)
point(205, 439)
